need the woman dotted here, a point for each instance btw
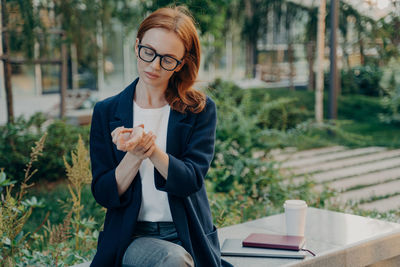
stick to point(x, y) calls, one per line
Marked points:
point(150, 148)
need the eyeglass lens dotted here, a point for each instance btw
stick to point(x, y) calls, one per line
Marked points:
point(148, 55)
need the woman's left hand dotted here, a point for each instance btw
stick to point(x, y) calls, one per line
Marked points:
point(121, 136)
point(142, 148)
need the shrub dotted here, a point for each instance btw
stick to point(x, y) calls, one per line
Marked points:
point(363, 80)
point(15, 211)
point(71, 241)
point(240, 186)
point(391, 103)
point(16, 140)
point(359, 108)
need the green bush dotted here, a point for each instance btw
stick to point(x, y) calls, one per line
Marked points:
point(240, 186)
point(17, 139)
point(66, 242)
point(391, 103)
point(359, 108)
point(363, 80)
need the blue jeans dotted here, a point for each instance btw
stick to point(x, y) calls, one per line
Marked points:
point(156, 244)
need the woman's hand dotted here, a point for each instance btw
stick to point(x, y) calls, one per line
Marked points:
point(142, 147)
point(121, 135)
point(135, 141)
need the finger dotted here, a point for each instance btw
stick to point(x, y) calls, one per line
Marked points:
point(126, 130)
point(149, 143)
point(121, 147)
point(150, 151)
point(115, 130)
point(141, 148)
point(145, 139)
point(115, 134)
point(132, 143)
point(122, 138)
point(141, 125)
point(140, 136)
point(134, 139)
point(137, 132)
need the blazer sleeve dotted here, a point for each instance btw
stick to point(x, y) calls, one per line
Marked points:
point(104, 184)
point(186, 173)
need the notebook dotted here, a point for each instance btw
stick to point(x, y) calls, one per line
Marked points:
point(233, 247)
point(274, 241)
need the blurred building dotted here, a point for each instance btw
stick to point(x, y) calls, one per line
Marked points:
point(118, 66)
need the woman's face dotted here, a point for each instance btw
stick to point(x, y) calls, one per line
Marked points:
point(163, 42)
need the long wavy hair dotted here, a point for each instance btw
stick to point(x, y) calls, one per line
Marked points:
point(180, 94)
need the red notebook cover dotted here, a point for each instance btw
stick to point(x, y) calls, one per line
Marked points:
point(274, 241)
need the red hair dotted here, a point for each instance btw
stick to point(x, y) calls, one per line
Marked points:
point(180, 94)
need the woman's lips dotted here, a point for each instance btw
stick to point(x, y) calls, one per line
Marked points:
point(151, 75)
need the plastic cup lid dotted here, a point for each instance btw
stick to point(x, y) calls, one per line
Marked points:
point(295, 203)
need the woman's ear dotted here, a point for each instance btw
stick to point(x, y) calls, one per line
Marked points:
point(136, 47)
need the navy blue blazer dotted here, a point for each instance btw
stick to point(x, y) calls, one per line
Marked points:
point(190, 147)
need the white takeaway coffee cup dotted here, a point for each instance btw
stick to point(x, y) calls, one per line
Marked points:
point(295, 216)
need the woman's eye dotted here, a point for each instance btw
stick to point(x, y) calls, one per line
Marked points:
point(148, 52)
point(168, 60)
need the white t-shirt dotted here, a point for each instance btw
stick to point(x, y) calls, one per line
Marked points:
point(155, 206)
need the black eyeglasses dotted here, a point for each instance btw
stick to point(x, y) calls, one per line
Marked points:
point(148, 54)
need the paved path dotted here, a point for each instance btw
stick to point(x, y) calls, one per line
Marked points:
point(27, 105)
point(369, 177)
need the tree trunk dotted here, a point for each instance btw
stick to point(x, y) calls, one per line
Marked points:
point(249, 59)
point(100, 60)
point(310, 60)
point(319, 92)
point(74, 66)
point(251, 40)
point(362, 56)
point(291, 66)
point(229, 55)
point(7, 65)
point(64, 73)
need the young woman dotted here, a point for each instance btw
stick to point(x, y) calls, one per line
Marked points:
point(150, 147)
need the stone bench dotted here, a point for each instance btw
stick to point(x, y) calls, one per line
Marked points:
point(338, 239)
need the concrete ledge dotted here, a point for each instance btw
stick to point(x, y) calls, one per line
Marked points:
point(338, 239)
point(368, 253)
point(85, 264)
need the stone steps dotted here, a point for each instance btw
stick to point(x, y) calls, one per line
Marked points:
point(328, 157)
point(383, 205)
point(362, 169)
point(347, 162)
point(364, 180)
point(365, 193)
point(291, 154)
point(362, 174)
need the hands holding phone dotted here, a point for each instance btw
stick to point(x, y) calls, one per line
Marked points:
point(134, 140)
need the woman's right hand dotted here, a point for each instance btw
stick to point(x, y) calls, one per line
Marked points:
point(134, 140)
point(142, 147)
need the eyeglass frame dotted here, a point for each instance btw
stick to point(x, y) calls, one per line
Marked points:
point(178, 62)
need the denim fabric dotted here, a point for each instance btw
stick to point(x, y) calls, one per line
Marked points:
point(156, 244)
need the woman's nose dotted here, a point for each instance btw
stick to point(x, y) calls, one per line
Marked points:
point(156, 63)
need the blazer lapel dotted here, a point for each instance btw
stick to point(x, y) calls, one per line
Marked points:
point(176, 132)
point(123, 115)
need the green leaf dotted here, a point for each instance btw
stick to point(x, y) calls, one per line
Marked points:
point(4, 181)
point(70, 260)
point(6, 241)
point(33, 202)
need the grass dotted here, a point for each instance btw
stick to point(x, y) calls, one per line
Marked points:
point(380, 134)
point(359, 113)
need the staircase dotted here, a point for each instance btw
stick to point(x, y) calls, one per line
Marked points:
point(369, 177)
